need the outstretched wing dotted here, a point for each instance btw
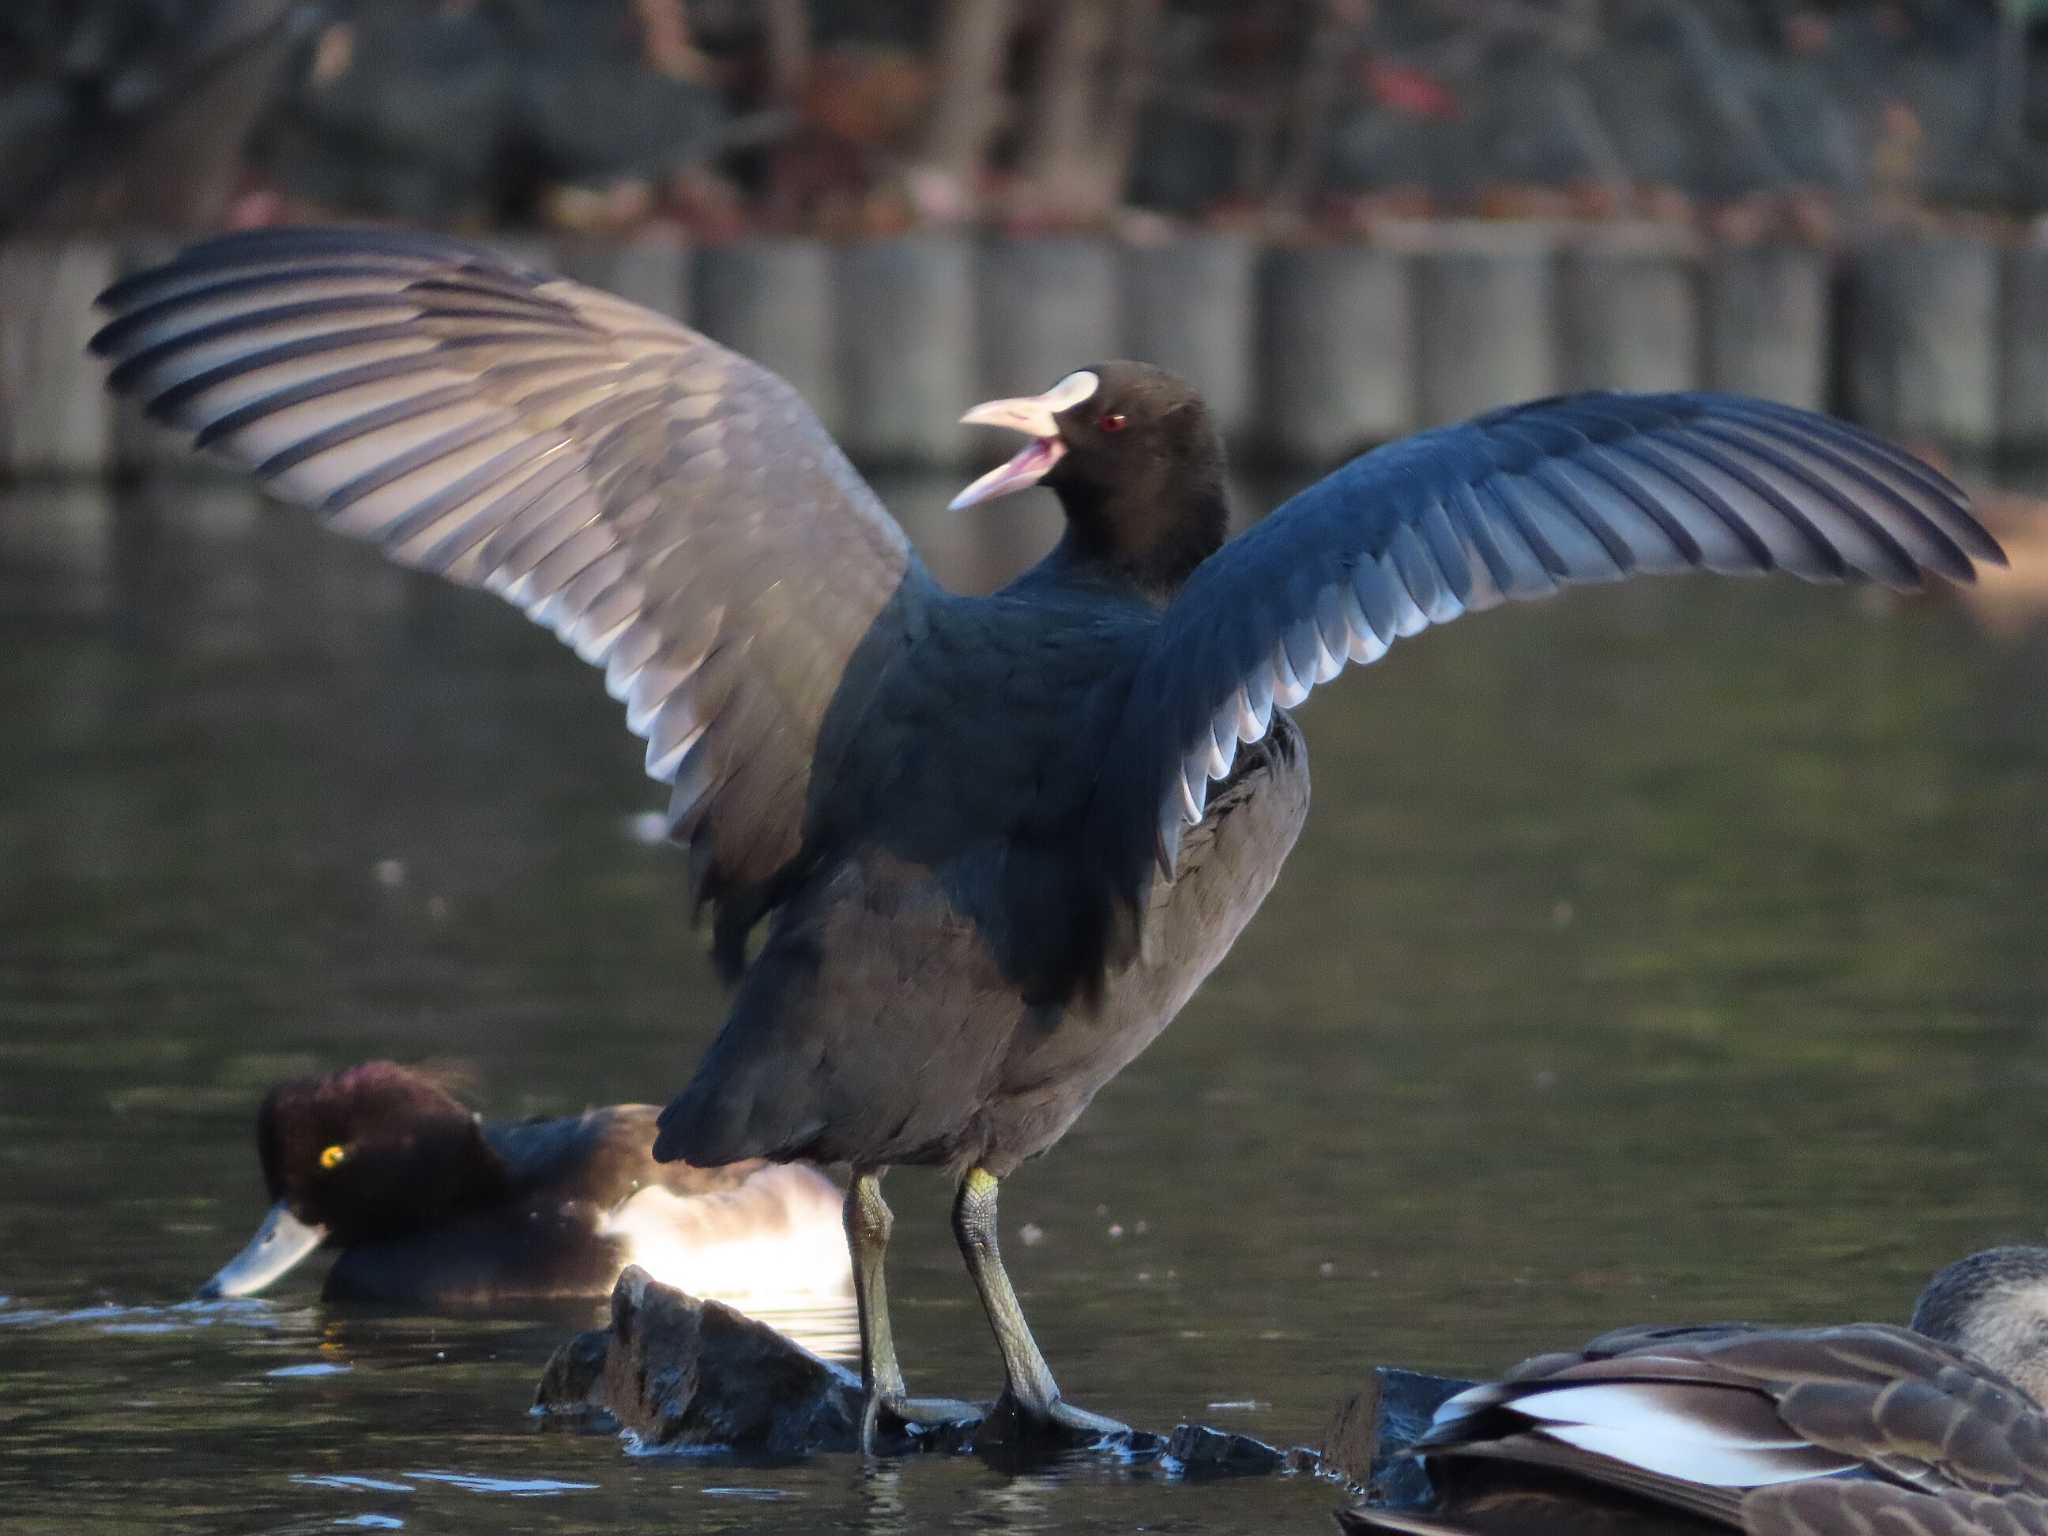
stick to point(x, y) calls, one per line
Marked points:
point(1518, 503)
point(672, 511)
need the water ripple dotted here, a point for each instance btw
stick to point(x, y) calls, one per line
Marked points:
point(517, 1487)
point(353, 1482)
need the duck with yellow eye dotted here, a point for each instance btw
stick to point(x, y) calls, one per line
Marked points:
point(426, 1203)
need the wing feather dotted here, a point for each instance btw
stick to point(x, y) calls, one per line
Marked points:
point(1839, 1508)
point(672, 511)
point(1673, 1413)
point(1582, 488)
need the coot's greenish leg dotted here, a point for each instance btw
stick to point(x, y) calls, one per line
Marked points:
point(868, 1223)
point(1028, 1384)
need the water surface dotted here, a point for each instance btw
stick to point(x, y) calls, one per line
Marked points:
point(1669, 951)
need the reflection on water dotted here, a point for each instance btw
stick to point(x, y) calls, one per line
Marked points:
point(1672, 950)
point(831, 1329)
point(772, 1248)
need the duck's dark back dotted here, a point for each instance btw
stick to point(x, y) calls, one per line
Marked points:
point(542, 1239)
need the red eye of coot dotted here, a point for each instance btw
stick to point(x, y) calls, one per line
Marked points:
point(1113, 422)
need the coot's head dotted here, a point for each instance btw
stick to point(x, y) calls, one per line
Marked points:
point(1135, 459)
point(1995, 1305)
point(370, 1152)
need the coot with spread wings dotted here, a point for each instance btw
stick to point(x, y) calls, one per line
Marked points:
point(996, 842)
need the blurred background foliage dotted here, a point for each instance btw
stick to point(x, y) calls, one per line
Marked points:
point(851, 117)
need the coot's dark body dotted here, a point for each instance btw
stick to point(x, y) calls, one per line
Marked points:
point(997, 842)
point(898, 942)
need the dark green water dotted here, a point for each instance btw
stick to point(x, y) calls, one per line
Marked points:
point(1669, 951)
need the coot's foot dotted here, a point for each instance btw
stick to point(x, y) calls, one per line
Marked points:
point(1030, 1411)
point(1079, 1421)
point(1058, 1424)
point(914, 1416)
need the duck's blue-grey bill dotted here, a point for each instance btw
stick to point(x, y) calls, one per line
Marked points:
point(278, 1246)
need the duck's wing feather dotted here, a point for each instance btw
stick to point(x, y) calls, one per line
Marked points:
point(671, 510)
point(1518, 503)
point(1839, 1508)
point(1677, 1414)
point(1904, 1405)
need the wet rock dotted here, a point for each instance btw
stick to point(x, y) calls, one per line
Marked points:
point(677, 1371)
point(1373, 1428)
point(1198, 1447)
point(571, 1381)
point(1198, 1450)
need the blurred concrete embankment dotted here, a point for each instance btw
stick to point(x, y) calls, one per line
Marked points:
point(1343, 220)
point(1308, 350)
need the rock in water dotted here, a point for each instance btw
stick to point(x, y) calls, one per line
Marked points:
point(1368, 1438)
point(678, 1371)
point(1199, 1451)
point(570, 1381)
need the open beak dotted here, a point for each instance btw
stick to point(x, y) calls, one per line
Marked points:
point(1036, 416)
point(278, 1246)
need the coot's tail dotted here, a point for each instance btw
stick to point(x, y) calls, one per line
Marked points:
point(699, 1127)
point(725, 1117)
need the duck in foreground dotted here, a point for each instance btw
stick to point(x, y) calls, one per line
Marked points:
point(997, 842)
point(1932, 1430)
point(427, 1204)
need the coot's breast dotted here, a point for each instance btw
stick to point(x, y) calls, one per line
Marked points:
point(1227, 865)
point(880, 1025)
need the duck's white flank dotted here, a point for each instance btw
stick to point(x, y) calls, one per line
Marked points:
point(774, 1241)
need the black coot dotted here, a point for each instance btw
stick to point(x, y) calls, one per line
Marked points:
point(997, 841)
